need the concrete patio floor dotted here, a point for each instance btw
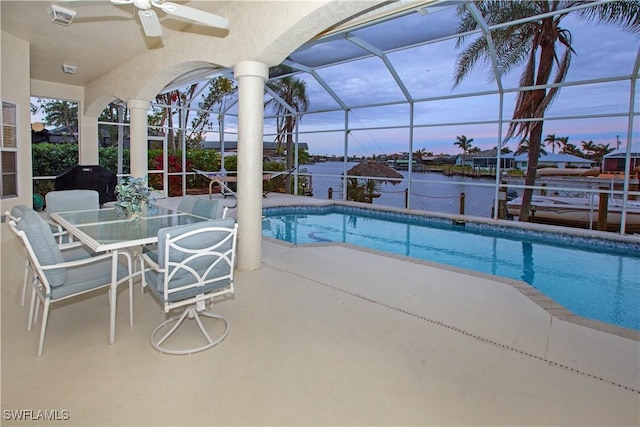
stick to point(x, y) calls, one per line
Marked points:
point(324, 335)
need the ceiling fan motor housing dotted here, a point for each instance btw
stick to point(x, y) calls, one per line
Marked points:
point(142, 4)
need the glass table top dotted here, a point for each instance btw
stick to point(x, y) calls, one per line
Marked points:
point(106, 229)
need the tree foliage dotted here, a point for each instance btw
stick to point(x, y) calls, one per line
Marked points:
point(463, 143)
point(543, 46)
point(58, 113)
point(115, 113)
point(221, 91)
point(293, 92)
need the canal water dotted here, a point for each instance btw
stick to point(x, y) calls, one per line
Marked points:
point(430, 191)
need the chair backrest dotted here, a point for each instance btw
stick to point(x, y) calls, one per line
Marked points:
point(186, 204)
point(17, 211)
point(196, 261)
point(72, 200)
point(41, 247)
point(209, 209)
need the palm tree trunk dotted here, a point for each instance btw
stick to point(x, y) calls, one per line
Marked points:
point(547, 55)
point(535, 139)
point(289, 130)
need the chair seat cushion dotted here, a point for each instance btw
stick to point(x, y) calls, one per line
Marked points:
point(87, 277)
point(153, 277)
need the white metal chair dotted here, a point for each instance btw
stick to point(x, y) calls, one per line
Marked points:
point(194, 264)
point(70, 200)
point(56, 279)
point(70, 251)
point(14, 215)
point(212, 209)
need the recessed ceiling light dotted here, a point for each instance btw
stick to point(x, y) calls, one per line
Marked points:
point(61, 15)
point(69, 69)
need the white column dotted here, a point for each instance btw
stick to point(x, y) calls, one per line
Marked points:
point(88, 153)
point(138, 109)
point(251, 77)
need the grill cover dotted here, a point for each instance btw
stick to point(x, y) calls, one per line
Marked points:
point(89, 178)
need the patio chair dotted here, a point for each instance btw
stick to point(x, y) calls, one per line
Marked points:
point(209, 208)
point(212, 209)
point(58, 280)
point(70, 200)
point(70, 252)
point(194, 264)
point(206, 208)
point(186, 203)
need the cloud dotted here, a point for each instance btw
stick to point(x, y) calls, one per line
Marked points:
point(602, 51)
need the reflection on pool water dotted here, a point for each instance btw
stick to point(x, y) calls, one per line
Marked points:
point(593, 278)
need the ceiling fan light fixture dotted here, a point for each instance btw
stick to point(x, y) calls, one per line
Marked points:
point(61, 15)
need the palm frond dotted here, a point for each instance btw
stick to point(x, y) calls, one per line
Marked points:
point(625, 14)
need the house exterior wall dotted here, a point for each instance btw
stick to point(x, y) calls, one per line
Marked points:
point(616, 164)
point(14, 68)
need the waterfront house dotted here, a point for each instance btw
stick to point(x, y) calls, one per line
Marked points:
point(614, 161)
point(269, 148)
point(486, 159)
point(553, 161)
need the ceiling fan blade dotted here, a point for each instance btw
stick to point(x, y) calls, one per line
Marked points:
point(150, 23)
point(196, 15)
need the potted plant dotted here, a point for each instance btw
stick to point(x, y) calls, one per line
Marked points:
point(133, 196)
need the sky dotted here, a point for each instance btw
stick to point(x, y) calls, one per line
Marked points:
point(601, 51)
point(427, 70)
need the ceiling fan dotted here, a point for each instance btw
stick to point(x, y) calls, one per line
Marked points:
point(151, 23)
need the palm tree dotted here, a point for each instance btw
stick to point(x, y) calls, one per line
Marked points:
point(525, 147)
point(564, 141)
point(589, 148)
point(463, 143)
point(553, 142)
point(543, 46)
point(419, 154)
point(600, 151)
point(60, 113)
point(571, 149)
point(294, 93)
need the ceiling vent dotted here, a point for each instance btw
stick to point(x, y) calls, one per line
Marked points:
point(69, 69)
point(60, 15)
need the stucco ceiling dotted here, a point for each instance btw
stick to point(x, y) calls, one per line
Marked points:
point(101, 36)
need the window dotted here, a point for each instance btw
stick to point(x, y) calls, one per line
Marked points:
point(8, 151)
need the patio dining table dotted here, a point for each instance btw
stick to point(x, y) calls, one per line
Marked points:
point(107, 230)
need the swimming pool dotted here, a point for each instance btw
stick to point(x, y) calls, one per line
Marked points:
point(594, 278)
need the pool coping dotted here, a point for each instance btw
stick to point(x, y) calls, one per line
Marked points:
point(553, 308)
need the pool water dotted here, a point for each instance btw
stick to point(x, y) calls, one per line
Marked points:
point(593, 278)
